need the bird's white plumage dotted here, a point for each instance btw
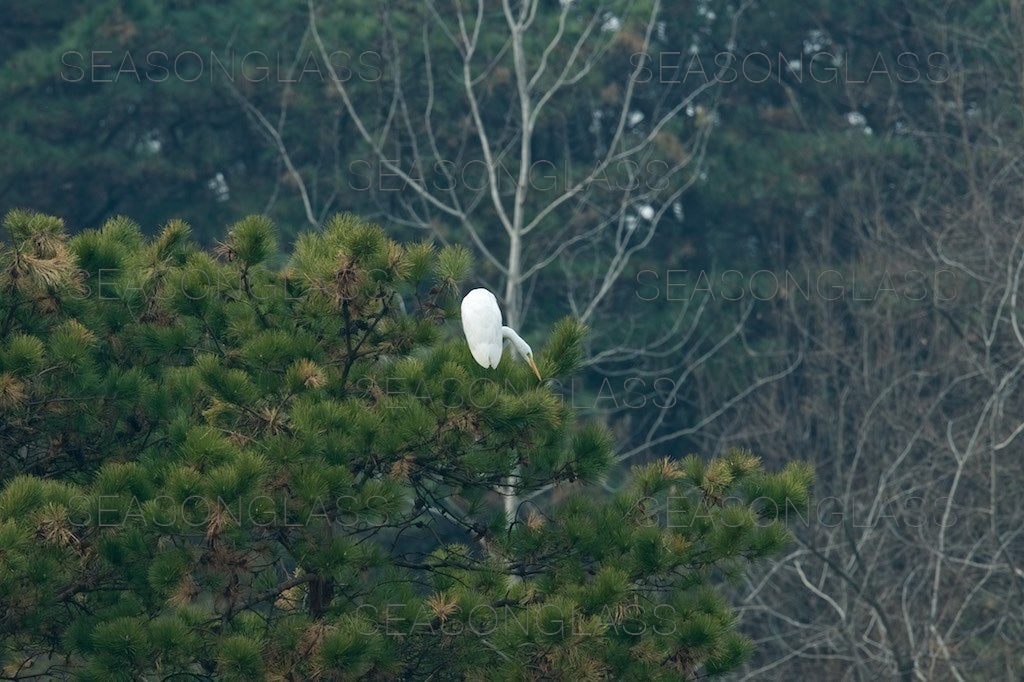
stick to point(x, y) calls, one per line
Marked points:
point(481, 322)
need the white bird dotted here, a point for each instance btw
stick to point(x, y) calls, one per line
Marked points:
point(481, 322)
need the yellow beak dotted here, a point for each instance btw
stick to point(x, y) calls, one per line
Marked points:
point(533, 366)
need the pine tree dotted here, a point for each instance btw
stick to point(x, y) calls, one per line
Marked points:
point(236, 465)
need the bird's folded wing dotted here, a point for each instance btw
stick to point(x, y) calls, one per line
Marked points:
point(481, 322)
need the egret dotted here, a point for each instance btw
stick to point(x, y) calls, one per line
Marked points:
point(481, 322)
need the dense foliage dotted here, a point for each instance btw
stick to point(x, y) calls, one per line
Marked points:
point(214, 467)
point(838, 282)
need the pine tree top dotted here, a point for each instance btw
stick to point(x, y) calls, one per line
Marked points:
point(241, 464)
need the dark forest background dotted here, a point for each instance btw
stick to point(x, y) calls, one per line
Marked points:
point(795, 228)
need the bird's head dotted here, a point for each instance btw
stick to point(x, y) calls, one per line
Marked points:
point(533, 365)
point(524, 350)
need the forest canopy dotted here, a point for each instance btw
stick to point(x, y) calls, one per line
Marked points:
point(224, 482)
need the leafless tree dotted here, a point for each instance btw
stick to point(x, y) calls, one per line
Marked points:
point(909, 404)
point(546, 139)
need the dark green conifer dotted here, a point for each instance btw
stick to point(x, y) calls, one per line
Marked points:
point(236, 465)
